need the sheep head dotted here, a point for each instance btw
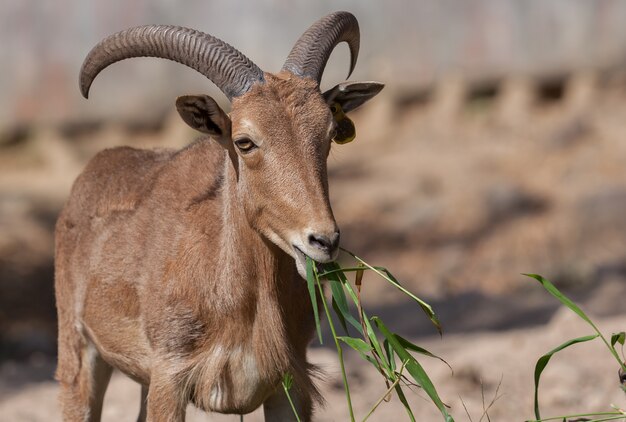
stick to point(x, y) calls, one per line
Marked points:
point(280, 128)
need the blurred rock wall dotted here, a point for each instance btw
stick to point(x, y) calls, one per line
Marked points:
point(405, 43)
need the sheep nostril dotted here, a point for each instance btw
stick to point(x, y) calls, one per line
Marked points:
point(325, 243)
point(320, 242)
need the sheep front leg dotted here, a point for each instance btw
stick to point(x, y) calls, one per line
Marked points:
point(81, 398)
point(143, 404)
point(165, 402)
point(278, 408)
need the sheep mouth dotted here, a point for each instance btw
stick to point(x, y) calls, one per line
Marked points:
point(301, 257)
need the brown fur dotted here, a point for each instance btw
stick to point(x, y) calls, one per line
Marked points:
point(177, 268)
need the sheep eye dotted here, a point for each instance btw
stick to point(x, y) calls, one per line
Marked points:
point(245, 145)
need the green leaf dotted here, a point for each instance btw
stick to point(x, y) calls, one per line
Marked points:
point(404, 401)
point(375, 343)
point(386, 275)
point(415, 348)
point(310, 281)
point(368, 327)
point(328, 270)
point(428, 310)
point(571, 305)
point(543, 361)
point(618, 338)
point(287, 384)
point(414, 368)
point(373, 362)
point(342, 320)
point(389, 353)
point(288, 380)
point(357, 344)
point(551, 288)
point(342, 310)
point(346, 387)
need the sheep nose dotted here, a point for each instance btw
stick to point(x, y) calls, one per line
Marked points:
point(325, 243)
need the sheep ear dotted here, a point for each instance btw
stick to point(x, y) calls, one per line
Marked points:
point(202, 113)
point(350, 95)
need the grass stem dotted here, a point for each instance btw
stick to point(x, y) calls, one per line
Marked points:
point(386, 393)
point(337, 344)
point(346, 270)
point(293, 407)
point(579, 415)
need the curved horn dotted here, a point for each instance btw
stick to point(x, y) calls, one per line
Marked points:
point(226, 67)
point(309, 55)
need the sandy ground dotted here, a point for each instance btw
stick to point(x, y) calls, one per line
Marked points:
point(456, 200)
point(583, 378)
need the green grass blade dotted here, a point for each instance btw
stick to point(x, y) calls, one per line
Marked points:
point(414, 368)
point(332, 268)
point(386, 275)
point(389, 353)
point(551, 288)
point(415, 348)
point(357, 344)
point(287, 384)
point(428, 310)
point(328, 271)
point(368, 327)
point(618, 338)
point(346, 387)
point(374, 363)
point(342, 310)
point(342, 320)
point(594, 416)
point(383, 397)
point(404, 402)
point(310, 281)
point(543, 361)
point(375, 343)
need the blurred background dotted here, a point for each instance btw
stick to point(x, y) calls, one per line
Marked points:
point(496, 148)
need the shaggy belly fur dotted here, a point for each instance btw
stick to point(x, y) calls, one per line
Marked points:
point(228, 381)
